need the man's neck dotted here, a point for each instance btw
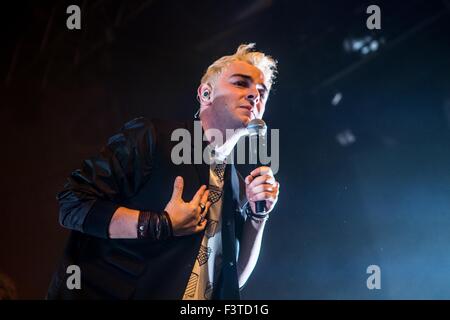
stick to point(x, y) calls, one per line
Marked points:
point(223, 147)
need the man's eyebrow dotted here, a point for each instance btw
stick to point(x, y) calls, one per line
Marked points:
point(245, 76)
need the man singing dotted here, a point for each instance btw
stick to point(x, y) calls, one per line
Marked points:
point(144, 227)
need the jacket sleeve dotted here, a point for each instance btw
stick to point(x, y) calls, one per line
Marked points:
point(92, 194)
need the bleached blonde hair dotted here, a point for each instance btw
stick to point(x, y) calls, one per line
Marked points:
point(265, 63)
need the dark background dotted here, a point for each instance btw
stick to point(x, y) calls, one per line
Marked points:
point(364, 181)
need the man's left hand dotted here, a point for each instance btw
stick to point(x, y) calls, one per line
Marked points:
point(261, 185)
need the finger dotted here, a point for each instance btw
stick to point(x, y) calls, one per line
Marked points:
point(200, 226)
point(178, 188)
point(203, 214)
point(198, 195)
point(263, 196)
point(263, 187)
point(261, 171)
point(202, 208)
point(249, 179)
point(208, 205)
point(261, 180)
point(204, 198)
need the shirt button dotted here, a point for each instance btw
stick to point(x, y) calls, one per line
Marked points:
point(231, 264)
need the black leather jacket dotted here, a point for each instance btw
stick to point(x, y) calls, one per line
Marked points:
point(135, 170)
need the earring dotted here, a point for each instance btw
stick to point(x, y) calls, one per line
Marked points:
point(197, 115)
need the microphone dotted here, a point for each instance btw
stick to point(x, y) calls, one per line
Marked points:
point(257, 129)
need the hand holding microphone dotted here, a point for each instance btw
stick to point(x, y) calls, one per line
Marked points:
point(261, 187)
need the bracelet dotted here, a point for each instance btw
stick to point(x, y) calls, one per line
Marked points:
point(255, 216)
point(168, 223)
point(154, 225)
point(143, 224)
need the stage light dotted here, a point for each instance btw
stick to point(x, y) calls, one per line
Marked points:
point(336, 99)
point(363, 45)
point(346, 138)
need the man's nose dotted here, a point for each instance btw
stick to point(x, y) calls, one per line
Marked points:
point(253, 97)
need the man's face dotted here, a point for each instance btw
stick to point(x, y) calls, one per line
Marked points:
point(239, 96)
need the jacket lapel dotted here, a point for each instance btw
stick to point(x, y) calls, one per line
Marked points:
point(202, 168)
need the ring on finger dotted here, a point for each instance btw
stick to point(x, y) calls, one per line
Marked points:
point(202, 218)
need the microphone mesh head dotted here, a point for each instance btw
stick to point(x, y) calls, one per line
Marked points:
point(257, 126)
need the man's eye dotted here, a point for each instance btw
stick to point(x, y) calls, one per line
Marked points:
point(241, 83)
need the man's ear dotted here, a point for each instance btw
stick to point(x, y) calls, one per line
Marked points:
point(204, 93)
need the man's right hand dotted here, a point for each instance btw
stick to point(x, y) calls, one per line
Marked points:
point(186, 217)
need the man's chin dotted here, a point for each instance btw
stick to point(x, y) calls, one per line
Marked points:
point(241, 122)
point(245, 120)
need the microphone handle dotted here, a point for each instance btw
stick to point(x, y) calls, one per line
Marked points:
point(260, 206)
